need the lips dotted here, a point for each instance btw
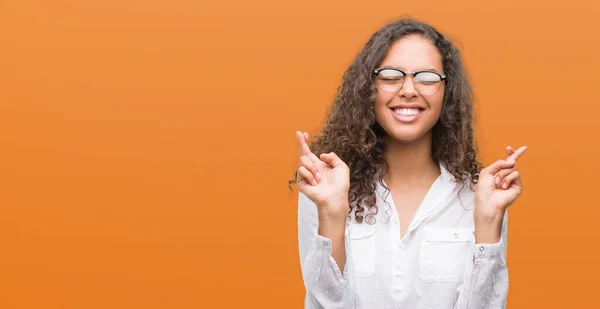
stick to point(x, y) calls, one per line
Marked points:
point(406, 114)
point(407, 111)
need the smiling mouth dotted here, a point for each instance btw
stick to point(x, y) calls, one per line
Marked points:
point(407, 111)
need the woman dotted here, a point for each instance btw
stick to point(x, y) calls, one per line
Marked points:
point(394, 210)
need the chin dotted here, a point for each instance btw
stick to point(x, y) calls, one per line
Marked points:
point(406, 138)
point(407, 135)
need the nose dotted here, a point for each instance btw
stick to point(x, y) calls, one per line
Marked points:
point(408, 90)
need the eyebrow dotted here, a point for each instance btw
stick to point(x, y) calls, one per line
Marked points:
point(419, 70)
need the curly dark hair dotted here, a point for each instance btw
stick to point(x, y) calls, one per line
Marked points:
point(352, 132)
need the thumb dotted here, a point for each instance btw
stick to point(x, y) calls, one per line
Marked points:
point(498, 166)
point(332, 159)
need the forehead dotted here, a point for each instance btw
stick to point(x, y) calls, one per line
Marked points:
point(413, 53)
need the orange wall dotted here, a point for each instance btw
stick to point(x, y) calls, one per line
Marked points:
point(146, 145)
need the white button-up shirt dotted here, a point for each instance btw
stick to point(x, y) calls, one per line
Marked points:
point(436, 264)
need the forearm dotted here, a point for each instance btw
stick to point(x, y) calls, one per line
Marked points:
point(485, 284)
point(334, 227)
point(322, 249)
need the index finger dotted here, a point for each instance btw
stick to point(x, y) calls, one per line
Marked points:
point(517, 153)
point(304, 149)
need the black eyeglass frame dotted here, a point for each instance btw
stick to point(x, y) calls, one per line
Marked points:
point(443, 77)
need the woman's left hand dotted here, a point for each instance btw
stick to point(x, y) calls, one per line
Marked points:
point(498, 187)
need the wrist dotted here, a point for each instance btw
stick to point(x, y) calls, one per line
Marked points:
point(332, 227)
point(488, 228)
point(332, 214)
point(333, 217)
point(334, 208)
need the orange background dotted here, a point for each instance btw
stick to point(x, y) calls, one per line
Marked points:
point(147, 145)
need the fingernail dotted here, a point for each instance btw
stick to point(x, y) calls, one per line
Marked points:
point(314, 182)
point(318, 174)
point(505, 185)
point(497, 180)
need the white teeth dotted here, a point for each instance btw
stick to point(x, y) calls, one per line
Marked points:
point(407, 111)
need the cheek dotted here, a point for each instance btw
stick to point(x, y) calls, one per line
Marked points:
point(439, 97)
point(380, 105)
point(435, 102)
point(380, 99)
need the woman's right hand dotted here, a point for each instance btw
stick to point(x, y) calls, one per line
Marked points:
point(325, 180)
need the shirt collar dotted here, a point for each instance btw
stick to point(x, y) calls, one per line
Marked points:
point(438, 193)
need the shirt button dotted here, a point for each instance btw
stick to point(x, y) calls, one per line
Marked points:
point(455, 235)
point(325, 243)
point(481, 249)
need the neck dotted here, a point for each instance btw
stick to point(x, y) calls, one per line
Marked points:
point(410, 163)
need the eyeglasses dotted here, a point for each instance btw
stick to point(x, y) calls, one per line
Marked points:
point(391, 80)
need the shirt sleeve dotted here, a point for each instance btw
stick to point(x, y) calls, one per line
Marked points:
point(485, 284)
point(326, 287)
